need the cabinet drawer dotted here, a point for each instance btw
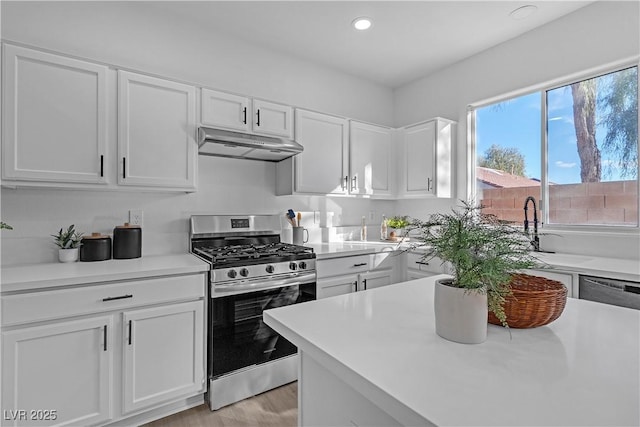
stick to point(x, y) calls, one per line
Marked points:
point(47, 305)
point(434, 265)
point(343, 265)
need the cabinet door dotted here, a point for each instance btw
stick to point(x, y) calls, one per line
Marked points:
point(375, 279)
point(64, 367)
point(420, 158)
point(322, 167)
point(570, 280)
point(156, 132)
point(272, 119)
point(225, 110)
point(428, 156)
point(54, 118)
point(339, 285)
point(418, 274)
point(369, 159)
point(163, 354)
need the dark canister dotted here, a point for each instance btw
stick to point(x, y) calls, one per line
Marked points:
point(96, 247)
point(127, 241)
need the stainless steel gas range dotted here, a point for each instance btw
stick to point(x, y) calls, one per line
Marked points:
point(251, 271)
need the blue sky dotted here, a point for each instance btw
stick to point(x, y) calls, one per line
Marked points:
point(516, 123)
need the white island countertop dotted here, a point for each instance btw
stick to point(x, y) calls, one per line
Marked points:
point(48, 275)
point(581, 370)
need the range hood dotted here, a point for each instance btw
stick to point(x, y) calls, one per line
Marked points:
point(224, 143)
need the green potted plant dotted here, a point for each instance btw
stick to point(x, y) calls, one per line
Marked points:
point(399, 224)
point(482, 252)
point(68, 242)
point(5, 226)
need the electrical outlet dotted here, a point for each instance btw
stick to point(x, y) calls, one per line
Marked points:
point(135, 217)
point(372, 215)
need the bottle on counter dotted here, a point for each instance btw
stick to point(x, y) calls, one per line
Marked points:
point(383, 228)
point(363, 229)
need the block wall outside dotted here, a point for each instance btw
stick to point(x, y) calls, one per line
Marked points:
point(611, 203)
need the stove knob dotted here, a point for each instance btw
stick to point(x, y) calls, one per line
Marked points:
point(244, 272)
point(270, 268)
point(302, 265)
point(293, 266)
point(232, 274)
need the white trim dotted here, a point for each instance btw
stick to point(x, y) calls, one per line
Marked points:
point(610, 67)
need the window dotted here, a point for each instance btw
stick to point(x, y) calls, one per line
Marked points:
point(574, 147)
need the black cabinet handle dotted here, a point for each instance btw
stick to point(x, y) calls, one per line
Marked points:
point(101, 165)
point(355, 286)
point(104, 334)
point(258, 114)
point(115, 298)
point(244, 112)
point(422, 263)
point(130, 332)
point(364, 282)
point(124, 168)
point(360, 264)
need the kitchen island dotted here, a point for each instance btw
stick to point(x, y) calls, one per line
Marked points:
point(373, 358)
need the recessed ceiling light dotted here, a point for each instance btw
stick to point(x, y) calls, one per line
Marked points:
point(523, 12)
point(362, 23)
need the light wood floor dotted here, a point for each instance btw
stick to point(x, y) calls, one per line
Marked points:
point(275, 408)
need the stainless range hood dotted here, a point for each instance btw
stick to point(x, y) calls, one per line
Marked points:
point(224, 143)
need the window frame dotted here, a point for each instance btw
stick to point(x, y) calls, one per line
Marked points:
point(542, 89)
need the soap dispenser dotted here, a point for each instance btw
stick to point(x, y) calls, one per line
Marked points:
point(383, 228)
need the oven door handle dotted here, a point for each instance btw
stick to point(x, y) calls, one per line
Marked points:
point(258, 285)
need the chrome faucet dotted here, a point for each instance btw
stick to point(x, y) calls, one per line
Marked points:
point(536, 240)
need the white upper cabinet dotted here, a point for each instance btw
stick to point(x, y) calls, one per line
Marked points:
point(370, 159)
point(272, 119)
point(322, 168)
point(156, 132)
point(339, 157)
point(54, 118)
point(426, 167)
point(240, 113)
point(225, 110)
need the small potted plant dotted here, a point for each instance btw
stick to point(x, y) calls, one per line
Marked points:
point(399, 224)
point(68, 242)
point(483, 252)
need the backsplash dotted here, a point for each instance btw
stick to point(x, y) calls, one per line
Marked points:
point(36, 213)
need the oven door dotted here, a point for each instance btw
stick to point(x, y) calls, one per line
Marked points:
point(238, 338)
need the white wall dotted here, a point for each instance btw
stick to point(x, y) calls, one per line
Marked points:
point(134, 36)
point(591, 37)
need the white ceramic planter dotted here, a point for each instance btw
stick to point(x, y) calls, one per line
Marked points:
point(68, 255)
point(460, 316)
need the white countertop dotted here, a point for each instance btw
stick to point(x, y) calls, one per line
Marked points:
point(350, 248)
point(36, 276)
point(617, 268)
point(582, 369)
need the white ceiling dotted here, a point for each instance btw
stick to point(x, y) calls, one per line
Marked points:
point(408, 40)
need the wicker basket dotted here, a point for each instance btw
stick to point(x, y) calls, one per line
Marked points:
point(536, 301)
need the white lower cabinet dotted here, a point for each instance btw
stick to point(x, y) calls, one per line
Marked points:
point(143, 348)
point(162, 354)
point(58, 374)
point(569, 279)
point(343, 275)
point(417, 267)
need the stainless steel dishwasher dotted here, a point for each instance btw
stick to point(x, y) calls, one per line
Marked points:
point(610, 291)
